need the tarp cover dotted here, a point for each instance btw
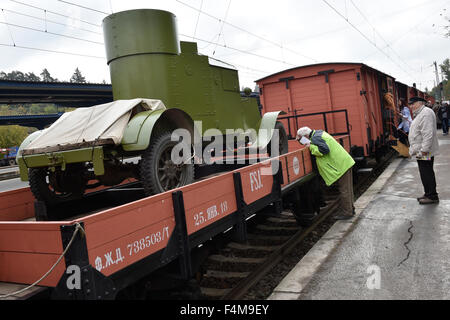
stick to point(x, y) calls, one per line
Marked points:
point(106, 121)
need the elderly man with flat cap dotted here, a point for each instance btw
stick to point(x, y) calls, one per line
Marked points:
point(334, 165)
point(424, 145)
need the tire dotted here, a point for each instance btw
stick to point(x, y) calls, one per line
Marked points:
point(43, 190)
point(283, 145)
point(158, 173)
point(12, 162)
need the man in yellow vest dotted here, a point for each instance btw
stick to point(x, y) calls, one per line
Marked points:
point(334, 165)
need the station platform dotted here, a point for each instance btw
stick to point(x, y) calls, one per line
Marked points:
point(393, 249)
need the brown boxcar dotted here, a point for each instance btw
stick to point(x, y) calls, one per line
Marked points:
point(329, 87)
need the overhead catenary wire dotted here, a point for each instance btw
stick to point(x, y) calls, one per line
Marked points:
point(223, 23)
point(52, 51)
point(10, 33)
point(198, 19)
point(51, 33)
point(111, 6)
point(83, 7)
point(46, 20)
point(56, 13)
point(203, 40)
point(234, 65)
point(382, 38)
point(246, 31)
point(239, 50)
point(100, 43)
point(411, 29)
point(365, 37)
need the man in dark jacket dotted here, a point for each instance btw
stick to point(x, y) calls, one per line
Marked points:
point(443, 114)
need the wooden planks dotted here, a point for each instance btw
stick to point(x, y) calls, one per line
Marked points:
point(16, 205)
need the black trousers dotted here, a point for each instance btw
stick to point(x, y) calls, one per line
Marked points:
point(428, 177)
point(445, 125)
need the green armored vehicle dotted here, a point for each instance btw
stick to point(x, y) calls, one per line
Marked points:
point(159, 85)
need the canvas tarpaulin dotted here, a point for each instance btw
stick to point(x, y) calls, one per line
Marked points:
point(85, 125)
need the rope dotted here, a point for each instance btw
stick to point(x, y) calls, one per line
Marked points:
point(79, 228)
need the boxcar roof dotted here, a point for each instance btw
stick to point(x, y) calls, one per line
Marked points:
point(323, 64)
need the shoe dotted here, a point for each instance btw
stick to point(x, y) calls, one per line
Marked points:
point(426, 201)
point(421, 198)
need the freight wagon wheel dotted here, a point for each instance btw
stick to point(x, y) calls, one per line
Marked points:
point(158, 172)
point(283, 143)
point(57, 187)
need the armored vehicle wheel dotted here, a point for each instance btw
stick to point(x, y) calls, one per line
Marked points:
point(283, 143)
point(57, 187)
point(157, 170)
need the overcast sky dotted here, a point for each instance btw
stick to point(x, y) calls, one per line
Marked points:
point(401, 38)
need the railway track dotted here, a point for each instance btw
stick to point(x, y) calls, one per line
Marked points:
point(268, 243)
point(231, 272)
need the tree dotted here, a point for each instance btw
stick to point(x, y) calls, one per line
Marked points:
point(448, 28)
point(11, 136)
point(46, 77)
point(13, 75)
point(5, 111)
point(35, 109)
point(445, 68)
point(77, 77)
point(21, 110)
point(50, 109)
point(30, 76)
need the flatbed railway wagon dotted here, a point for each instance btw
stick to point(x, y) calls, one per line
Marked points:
point(344, 90)
point(104, 253)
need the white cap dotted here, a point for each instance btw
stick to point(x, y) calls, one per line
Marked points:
point(303, 132)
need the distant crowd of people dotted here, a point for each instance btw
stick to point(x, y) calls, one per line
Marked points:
point(442, 112)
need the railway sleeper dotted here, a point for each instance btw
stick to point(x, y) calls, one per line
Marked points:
point(214, 293)
point(281, 221)
point(246, 247)
point(222, 280)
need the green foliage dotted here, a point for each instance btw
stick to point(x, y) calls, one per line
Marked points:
point(11, 136)
point(30, 109)
point(447, 90)
point(46, 77)
point(50, 109)
point(247, 91)
point(445, 68)
point(77, 77)
point(19, 76)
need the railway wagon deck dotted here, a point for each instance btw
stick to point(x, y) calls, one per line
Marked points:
point(354, 87)
point(115, 247)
